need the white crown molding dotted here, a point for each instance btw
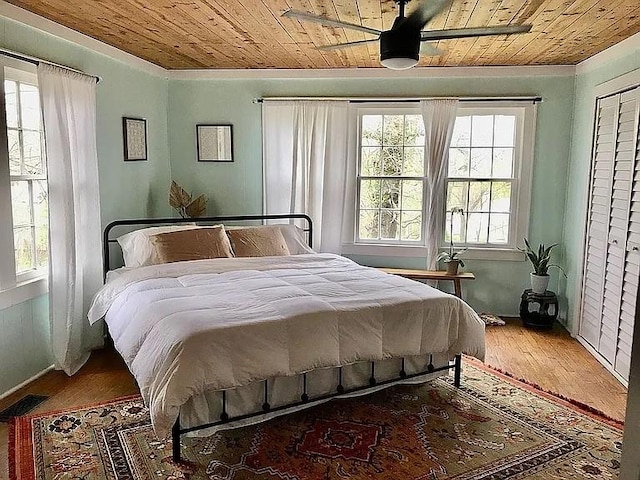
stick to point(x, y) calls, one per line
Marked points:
point(333, 73)
point(631, 44)
point(36, 21)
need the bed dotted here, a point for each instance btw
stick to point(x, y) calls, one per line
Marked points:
point(218, 343)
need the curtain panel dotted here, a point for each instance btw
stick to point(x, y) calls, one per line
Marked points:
point(304, 164)
point(69, 111)
point(439, 116)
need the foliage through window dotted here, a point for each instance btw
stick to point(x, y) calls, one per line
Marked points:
point(391, 178)
point(27, 176)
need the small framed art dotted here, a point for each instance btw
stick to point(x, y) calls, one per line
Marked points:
point(215, 143)
point(135, 139)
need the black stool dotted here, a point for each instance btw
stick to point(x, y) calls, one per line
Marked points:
point(544, 315)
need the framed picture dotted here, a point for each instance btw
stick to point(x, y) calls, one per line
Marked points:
point(215, 143)
point(135, 139)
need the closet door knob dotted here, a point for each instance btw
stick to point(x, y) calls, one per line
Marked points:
point(634, 249)
point(614, 242)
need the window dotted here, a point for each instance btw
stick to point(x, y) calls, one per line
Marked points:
point(390, 178)
point(488, 178)
point(23, 183)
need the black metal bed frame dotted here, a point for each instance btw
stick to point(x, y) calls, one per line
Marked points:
point(177, 430)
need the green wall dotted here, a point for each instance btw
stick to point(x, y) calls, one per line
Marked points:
point(580, 161)
point(235, 188)
point(132, 189)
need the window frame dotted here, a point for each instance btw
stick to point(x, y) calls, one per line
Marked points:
point(384, 109)
point(524, 151)
point(15, 287)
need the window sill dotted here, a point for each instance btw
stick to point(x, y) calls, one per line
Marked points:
point(417, 251)
point(23, 292)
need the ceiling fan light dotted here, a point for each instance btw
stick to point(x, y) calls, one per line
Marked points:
point(399, 63)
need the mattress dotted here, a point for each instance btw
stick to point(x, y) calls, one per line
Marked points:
point(188, 329)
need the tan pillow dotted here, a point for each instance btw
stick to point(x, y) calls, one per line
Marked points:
point(197, 244)
point(258, 242)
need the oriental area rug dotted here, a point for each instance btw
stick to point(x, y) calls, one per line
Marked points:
point(494, 427)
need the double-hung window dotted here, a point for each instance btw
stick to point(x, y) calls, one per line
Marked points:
point(24, 236)
point(488, 179)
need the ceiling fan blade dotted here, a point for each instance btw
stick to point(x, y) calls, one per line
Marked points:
point(473, 32)
point(428, 50)
point(328, 21)
point(338, 46)
point(425, 11)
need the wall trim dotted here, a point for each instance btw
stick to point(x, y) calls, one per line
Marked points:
point(26, 382)
point(332, 73)
point(612, 53)
point(44, 24)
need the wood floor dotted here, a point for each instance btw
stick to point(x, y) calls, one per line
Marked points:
point(551, 359)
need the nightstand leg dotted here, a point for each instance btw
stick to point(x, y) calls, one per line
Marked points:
point(457, 287)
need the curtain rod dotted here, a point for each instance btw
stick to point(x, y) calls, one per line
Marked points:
point(36, 61)
point(533, 99)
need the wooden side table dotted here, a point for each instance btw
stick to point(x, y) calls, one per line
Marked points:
point(432, 275)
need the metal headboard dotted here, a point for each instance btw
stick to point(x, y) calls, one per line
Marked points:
point(106, 240)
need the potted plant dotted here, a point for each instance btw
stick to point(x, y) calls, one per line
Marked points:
point(451, 258)
point(540, 260)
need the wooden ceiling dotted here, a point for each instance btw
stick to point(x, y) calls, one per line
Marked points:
point(186, 34)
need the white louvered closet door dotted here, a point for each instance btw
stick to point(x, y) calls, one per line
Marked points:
point(612, 260)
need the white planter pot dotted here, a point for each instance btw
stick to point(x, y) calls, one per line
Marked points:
point(539, 283)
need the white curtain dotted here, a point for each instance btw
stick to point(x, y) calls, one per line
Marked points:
point(69, 111)
point(304, 164)
point(439, 118)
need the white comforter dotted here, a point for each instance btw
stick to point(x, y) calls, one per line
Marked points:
point(188, 327)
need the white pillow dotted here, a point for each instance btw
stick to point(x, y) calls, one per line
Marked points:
point(293, 235)
point(137, 249)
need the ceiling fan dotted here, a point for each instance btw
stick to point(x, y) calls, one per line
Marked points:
point(401, 46)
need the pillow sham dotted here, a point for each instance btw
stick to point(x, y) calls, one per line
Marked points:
point(263, 241)
point(137, 250)
point(293, 235)
point(195, 244)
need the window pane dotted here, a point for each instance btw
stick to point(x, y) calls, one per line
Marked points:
point(372, 130)
point(390, 224)
point(23, 243)
point(15, 167)
point(392, 160)
point(477, 227)
point(479, 193)
point(414, 130)
point(502, 162)
point(459, 162)
point(369, 193)
point(482, 130)
point(42, 246)
point(411, 195)
point(20, 204)
point(371, 161)
point(40, 202)
point(505, 128)
point(461, 132)
point(457, 193)
point(411, 226)
point(29, 107)
point(393, 133)
point(368, 228)
point(501, 197)
point(32, 153)
point(499, 228)
point(480, 162)
point(11, 103)
point(413, 162)
point(457, 228)
point(390, 194)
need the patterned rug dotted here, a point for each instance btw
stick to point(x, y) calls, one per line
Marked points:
point(494, 427)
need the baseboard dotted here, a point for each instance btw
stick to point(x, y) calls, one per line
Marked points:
point(602, 361)
point(26, 382)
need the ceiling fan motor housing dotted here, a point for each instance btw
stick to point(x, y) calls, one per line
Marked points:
point(400, 44)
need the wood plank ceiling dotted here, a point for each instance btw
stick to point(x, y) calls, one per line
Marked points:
point(184, 34)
